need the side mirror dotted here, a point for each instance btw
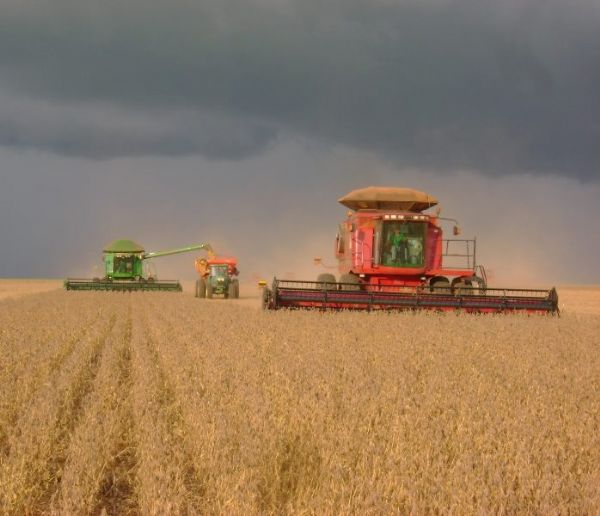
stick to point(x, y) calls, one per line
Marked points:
point(456, 230)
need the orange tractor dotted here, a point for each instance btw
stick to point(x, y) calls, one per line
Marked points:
point(218, 276)
point(392, 254)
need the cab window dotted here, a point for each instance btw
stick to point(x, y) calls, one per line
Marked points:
point(403, 244)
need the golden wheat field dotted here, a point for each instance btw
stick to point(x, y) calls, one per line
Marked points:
point(160, 403)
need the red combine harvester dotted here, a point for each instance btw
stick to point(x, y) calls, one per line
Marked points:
point(392, 255)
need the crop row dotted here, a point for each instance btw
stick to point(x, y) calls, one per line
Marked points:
point(161, 403)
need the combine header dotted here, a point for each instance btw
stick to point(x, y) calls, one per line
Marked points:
point(124, 269)
point(392, 256)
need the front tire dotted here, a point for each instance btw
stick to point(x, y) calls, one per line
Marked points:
point(462, 287)
point(265, 298)
point(328, 279)
point(349, 281)
point(439, 285)
point(209, 290)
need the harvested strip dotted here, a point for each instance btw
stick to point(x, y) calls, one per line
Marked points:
point(38, 440)
point(92, 478)
point(35, 361)
point(160, 476)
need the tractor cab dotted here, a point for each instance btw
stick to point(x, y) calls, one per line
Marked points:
point(219, 271)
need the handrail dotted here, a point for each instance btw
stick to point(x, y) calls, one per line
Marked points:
point(469, 252)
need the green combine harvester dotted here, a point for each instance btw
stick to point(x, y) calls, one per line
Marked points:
point(124, 269)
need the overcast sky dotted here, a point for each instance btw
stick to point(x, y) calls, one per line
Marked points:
point(241, 122)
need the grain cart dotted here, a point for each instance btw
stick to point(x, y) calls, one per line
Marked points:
point(391, 254)
point(217, 277)
point(124, 269)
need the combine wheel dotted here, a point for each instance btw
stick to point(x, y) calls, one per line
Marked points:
point(265, 298)
point(439, 285)
point(328, 278)
point(209, 290)
point(480, 284)
point(462, 287)
point(351, 280)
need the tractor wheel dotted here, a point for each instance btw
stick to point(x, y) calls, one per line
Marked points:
point(327, 278)
point(439, 285)
point(209, 290)
point(234, 289)
point(349, 281)
point(231, 290)
point(201, 288)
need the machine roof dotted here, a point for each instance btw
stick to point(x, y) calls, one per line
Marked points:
point(222, 260)
point(388, 198)
point(123, 246)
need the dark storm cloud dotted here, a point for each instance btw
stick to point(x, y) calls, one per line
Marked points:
point(100, 131)
point(493, 86)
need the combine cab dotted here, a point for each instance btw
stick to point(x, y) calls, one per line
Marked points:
point(393, 256)
point(124, 269)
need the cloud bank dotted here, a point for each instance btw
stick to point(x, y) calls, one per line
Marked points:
point(497, 87)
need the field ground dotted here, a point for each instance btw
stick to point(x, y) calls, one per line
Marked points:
point(572, 298)
point(161, 403)
point(13, 288)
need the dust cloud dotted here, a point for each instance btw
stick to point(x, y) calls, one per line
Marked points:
point(278, 211)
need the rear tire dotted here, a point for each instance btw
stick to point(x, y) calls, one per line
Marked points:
point(209, 290)
point(201, 288)
point(230, 290)
point(352, 281)
point(234, 289)
point(327, 278)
